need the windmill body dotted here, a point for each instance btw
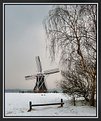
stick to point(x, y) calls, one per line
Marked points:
point(40, 86)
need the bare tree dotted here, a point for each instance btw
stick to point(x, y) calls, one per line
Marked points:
point(71, 31)
point(76, 82)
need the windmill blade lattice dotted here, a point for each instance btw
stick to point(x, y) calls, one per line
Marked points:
point(30, 77)
point(51, 71)
point(38, 62)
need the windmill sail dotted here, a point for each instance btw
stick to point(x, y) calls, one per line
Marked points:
point(38, 62)
point(52, 71)
point(30, 77)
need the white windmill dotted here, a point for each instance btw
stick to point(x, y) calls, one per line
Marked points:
point(40, 77)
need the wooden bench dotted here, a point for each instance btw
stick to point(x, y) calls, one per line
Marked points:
point(30, 104)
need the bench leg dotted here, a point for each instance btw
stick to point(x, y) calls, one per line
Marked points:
point(30, 106)
point(61, 102)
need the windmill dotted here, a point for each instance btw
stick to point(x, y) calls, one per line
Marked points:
point(40, 86)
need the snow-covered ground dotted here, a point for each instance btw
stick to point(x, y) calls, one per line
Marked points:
point(17, 104)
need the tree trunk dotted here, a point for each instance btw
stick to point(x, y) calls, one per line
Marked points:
point(92, 101)
point(86, 99)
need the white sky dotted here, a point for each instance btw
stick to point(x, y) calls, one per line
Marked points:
point(25, 39)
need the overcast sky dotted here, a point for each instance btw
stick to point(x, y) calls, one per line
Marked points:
point(25, 39)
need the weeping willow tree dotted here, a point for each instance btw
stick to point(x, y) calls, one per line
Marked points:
point(72, 33)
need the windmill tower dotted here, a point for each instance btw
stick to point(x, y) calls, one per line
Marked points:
point(40, 86)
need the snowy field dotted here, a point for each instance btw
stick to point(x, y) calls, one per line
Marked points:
point(17, 104)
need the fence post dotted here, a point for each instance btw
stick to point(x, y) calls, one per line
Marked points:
point(61, 102)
